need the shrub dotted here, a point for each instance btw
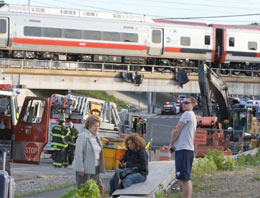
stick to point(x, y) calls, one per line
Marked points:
point(88, 190)
point(201, 167)
point(253, 160)
point(220, 161)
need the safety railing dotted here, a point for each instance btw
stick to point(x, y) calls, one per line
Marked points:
point(116, 67)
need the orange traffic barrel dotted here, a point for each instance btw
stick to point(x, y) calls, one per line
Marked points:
point(165, 154)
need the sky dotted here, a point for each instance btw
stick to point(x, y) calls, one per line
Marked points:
point(208, 11)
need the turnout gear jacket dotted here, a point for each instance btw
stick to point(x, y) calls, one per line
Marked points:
point(72, 137)
point(59, 134)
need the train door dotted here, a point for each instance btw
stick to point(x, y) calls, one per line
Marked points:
point(156, 43)
point(31, 131)
point(220, 45)
point(3, 32)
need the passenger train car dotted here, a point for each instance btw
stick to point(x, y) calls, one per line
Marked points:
point(76, 35)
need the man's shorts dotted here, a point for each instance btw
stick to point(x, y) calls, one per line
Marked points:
point(183, 164)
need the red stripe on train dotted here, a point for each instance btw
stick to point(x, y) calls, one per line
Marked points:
point(257, 54)
point(172, 49)
point(78, 44)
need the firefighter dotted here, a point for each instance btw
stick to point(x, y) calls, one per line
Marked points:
point(141, 126)
point(62, 115)
point(59, 144)
point(71, 139)
point(135, 122)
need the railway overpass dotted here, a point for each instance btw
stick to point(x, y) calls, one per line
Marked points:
point(92, 76)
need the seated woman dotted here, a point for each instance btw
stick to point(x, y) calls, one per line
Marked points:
point(135, 157)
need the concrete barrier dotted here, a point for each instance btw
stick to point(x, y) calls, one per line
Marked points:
point(161, 174)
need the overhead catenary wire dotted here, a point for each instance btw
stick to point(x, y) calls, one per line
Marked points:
point(149, 5)
point(209, 17)
point(99, 8)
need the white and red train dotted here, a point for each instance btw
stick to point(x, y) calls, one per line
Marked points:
point(76, 35)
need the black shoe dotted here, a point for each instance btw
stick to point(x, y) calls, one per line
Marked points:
point(117, 180)
point(121, 186)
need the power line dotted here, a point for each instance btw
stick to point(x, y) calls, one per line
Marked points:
point(161, 17)
point(211, 17)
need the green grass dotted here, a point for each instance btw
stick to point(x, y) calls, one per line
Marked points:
point(214, 161)
point(257, 178)
point(102, 96)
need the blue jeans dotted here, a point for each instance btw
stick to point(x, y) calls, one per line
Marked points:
point(127, 181)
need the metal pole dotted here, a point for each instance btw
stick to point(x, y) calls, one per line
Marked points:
point(29, 4)
point(243, 140)
point(149, 94)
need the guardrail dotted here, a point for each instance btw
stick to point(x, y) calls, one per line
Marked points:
point(103, 67)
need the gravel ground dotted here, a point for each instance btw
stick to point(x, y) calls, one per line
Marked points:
point(229, 184)
point(46, 183)
point(41, 183)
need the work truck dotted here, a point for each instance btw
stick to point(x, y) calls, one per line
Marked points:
point(26, 135)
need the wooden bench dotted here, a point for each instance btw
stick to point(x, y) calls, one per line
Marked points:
point(161, 174)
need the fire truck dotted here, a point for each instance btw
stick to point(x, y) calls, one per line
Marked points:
point(28, 135)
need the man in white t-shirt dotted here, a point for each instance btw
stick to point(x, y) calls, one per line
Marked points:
point(182, 139)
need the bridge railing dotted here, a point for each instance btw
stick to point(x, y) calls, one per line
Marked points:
point(116, 67)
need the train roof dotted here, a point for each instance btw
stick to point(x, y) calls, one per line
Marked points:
point(245, 27)
point(179, 22)
point(73, 13)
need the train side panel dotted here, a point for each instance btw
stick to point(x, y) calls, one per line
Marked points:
point(39, 33)
point(243, 45)
point(188, 42)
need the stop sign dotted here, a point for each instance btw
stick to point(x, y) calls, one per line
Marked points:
point(30, 150)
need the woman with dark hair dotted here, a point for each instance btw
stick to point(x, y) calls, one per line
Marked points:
point(134, 158)
point(89, 156)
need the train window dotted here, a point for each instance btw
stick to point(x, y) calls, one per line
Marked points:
point(130, 37)
point(32, 31)
point(207, 40)
point(2, 26)
point(91, 35)
point(74, 34)
point(156, 36)
point(111, 36)
point(51, 32)
point(252, 45)
point(231, 42)
point(185, 41)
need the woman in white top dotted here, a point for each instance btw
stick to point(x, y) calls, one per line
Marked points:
point(89, 156)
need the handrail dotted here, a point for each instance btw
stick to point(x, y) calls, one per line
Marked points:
point(118, 67)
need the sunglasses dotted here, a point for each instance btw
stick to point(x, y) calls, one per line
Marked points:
point(186, 102)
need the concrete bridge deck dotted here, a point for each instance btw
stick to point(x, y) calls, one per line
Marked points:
point(111, 79)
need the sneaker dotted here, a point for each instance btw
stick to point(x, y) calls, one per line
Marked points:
point(117, 180)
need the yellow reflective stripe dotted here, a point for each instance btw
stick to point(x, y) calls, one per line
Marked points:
point(57, 164)
point(67, 134)
point(59, 144)
point(58, 135)
point(58, 127)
